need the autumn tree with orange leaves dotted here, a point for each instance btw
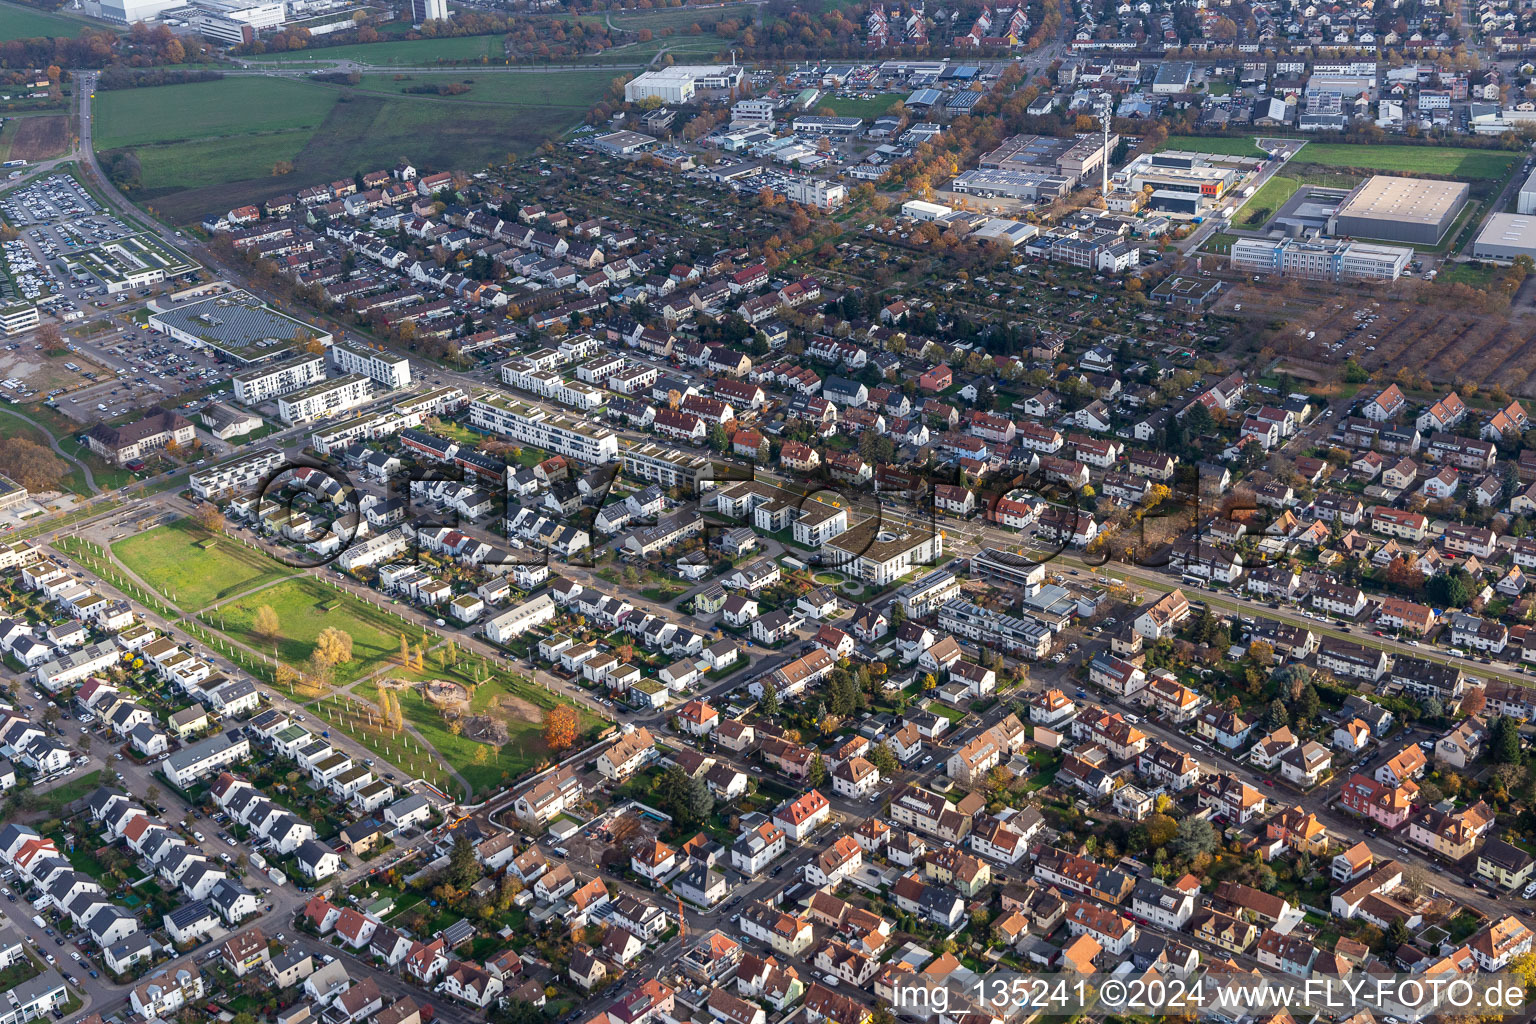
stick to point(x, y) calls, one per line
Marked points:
point(560, 727)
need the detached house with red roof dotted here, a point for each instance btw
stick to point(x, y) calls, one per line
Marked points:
point(936, 379)
point(654, 862)
point(803, 815)
point(696, 718)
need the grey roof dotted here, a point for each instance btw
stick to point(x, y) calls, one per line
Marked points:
point(236, 320)
point(190, 913)
point(407, 805)
point(227, 891)
point(311, 850)
point(106, 917)
point(198, 752)
point(33, 989)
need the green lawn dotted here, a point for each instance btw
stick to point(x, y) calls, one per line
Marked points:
point(682, 19)
point(178, 561)
point(1221, 146)
point(306, 606)
point(56, 799)
point(211, 161)
point(202, 152)
point(1466, 164)
point(17, 22)
point(1266, 201)
point(1219, 243)
point(867, 109)
point(416, 52)
point(1475, 274)
point(237, 107)
point(521, 705)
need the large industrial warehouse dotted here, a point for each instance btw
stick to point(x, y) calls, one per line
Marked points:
point(1506, 236)
point(1412, 210)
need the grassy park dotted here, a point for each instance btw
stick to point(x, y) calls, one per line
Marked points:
point(193, 570)
point(513, 700)
point(306, 606)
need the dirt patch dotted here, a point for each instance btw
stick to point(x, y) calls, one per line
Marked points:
point(509, 706)
point(442, 693)
point(40, 138)
point(485, 729)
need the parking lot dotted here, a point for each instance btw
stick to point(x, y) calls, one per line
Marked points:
point(55, 197)
point(150, 372)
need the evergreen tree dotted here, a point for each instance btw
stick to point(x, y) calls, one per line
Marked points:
point(1307, 706)
point(883, 759)
point(1276, 716)
point(769, 705)
point(818, 772)
point(700, 801)
point(1505, 748)
point(463, 868)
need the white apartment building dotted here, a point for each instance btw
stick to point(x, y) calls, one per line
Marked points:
point(576, 439)
point(268, 382)
point(236, 475)
point(21, 316)
point(384, 368)
point(328, 398)
point(519, 620)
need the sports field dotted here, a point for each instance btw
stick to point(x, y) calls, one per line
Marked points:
point(1466, 164)
point(306, 606)
point(18, 22)
point(207, 147)
point(419, 52)
point(867, 109)
point(1222, 146)
point(193, 570)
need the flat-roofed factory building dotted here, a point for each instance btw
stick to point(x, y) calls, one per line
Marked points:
point(1505, 237)
point(1413, 210)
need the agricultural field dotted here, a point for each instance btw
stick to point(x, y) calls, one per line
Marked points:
point(697, 48)
point(202, 152)
point(867, 109)
point(399, 53)
point(557, 89)
point(18, 22)
point(34, 137)
point(1222, 146)
point(1449, 161)
point(193, 570)
point(208, 163)
point(304, 607)
point(235, 107)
